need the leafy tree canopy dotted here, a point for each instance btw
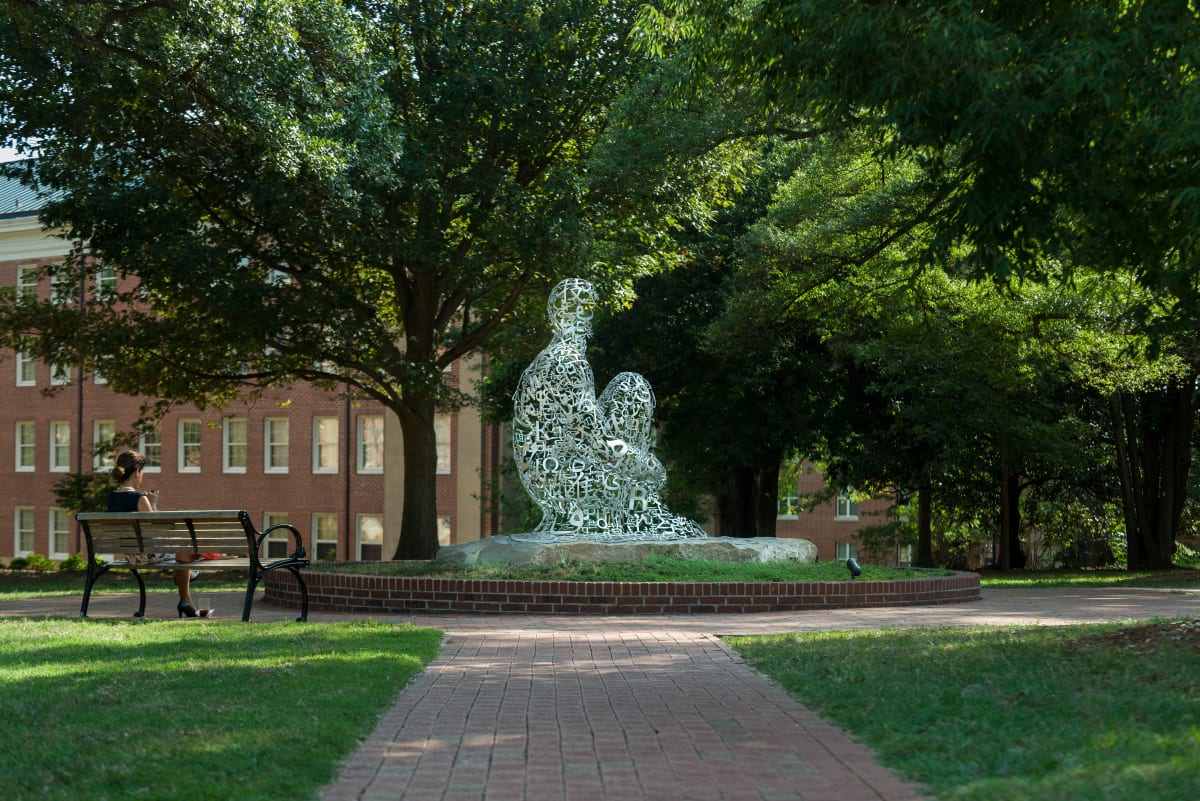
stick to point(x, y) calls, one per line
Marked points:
point(351, 193)
point(1061, 134)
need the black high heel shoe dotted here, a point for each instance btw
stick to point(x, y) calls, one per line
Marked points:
point(185, 608)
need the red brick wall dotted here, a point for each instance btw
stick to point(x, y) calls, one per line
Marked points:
point(344, 592)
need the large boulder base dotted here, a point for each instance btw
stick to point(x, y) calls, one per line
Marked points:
point(519, 551)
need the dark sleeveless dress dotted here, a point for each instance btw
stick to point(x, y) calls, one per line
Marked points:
point(124, 501)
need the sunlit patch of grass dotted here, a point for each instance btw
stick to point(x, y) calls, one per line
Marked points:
point(166, 710)
point(1041, 579)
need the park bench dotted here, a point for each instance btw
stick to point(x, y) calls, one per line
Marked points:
point(143, 541)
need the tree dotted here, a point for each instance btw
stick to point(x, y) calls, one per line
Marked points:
point(1058, 139)
point(1063, 134)
point(732, 408)
point(354, 194)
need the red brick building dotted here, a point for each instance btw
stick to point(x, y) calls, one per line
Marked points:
point(303, 455)
point(833, 526)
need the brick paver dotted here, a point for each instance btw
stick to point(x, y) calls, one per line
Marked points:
point(547, 708)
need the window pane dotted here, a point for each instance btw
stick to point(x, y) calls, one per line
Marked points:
point(235, 444)
point(26, 445)
point(103, 432)
point(325, 535)
point(60, 532)
point(275, 449)
point(27, 281)
point(325, 444)
point(150, 444)
point(370, 538)
point(189, 446)
point(23, 523)
point(106, 283)
point(60, 446)
point(26, 371)
point(370, 443)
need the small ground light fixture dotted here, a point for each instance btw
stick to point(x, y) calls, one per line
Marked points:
point(852, 566)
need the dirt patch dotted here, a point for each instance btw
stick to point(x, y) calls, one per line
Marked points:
point(1182, 634)
point(1171, 577)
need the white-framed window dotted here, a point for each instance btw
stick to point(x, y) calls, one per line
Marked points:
point(26, 370)
point(60, 446)
point(106, 283)
point(98, 377)
point(62, 288)
point(26, 442)
point(27, 282)
point(369, 537)
point(441, 438)
point(325, 534)
point(60, 533)
point(189, 446)
point(847, 507)
point(904, 556)
point(325, 444)
point(60, 375)
point(370, 443)
point(788, 501)
point(233, 444)
point(279, 543)
point(444, 530)
point(104, 456)
point(150, 446)
point(275, 445)
point(23, 531)
point(846, 550)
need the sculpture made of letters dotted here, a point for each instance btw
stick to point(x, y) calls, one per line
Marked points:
point(587, 461)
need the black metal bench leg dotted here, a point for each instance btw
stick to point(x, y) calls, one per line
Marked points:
point(141, 612)
point(295, 571)
point(251, 586)
point(92, 574)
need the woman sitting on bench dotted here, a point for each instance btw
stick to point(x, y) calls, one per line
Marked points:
point(128, 497)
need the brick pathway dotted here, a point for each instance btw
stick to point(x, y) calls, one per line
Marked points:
point(633, 708)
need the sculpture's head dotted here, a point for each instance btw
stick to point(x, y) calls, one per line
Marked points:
point(571, 306)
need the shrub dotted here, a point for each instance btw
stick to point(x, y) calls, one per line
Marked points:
point(18, 563)
point(35, 561)
point(73, 562)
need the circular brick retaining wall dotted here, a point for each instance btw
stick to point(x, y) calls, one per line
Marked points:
point(351, 592)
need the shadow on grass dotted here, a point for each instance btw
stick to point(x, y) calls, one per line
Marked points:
point(997, 714)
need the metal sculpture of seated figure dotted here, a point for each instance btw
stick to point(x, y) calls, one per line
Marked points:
point(587, 461)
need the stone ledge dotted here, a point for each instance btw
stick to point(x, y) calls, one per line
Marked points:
point(351, 592)
point(517, 550)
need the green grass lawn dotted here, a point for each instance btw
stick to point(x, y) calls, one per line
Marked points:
point(1037, 579)
point(18, 585)
point(211, 710)
point(1081, 713)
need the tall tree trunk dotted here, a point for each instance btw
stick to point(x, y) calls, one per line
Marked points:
point(1017, 558)
point(735, 506)
point(766, 500)
point(1005, 555)
point(418, 522)
point(1153, 433)
point(924, 524)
